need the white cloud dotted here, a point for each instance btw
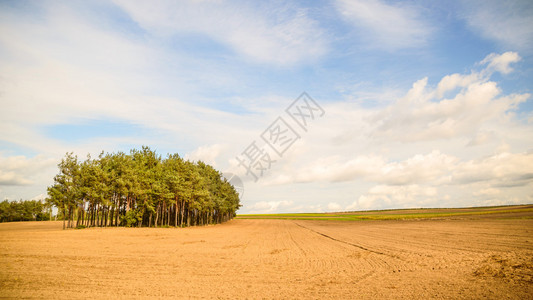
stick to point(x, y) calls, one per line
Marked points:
point(510, 23)
point(454, 81)
point(73, 78)
point(423, 115)
point(207, 154)
point(434, 169)
point(334, 207)
point(264, 207)
point(384, 196)
point(461, 136)
point(501, 62)
point(278, 34)
point(40, 197)
point(500, 170)
point(336, 170)
point(481, 146)
point(419, 168)
point(387, 26)
point(487, 192)
point(11, 178)
point(20, 170)
point(481, 138)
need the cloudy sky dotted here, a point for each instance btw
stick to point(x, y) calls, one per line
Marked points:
point(408, 104)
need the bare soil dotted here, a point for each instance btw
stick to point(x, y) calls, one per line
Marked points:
point(475, 257)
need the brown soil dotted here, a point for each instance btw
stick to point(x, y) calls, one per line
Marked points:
point(285, 259)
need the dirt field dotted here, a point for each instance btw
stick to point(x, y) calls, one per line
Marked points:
point(468, 257)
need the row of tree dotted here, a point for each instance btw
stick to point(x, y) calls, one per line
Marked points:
point(140, 189)
point(24, 210)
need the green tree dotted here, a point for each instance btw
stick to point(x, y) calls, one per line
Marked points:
point(139, 189)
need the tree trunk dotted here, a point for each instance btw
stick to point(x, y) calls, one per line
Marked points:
point(69, 216)
point(156, 215)
point(117, 213)
point(182, 207)
point(102, 216)
point(112, 215)
point(176, 214)
point(78, 218)
point(64, 217)
point(162, 214)
point(97, 216)
point(163, 208)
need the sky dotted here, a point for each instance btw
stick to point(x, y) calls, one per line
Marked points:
point(316, 106)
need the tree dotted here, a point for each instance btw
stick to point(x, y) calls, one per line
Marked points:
point(66, 189)
point(23, 210)
point(140, 189)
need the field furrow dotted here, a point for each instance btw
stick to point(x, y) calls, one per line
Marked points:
point(274, 259)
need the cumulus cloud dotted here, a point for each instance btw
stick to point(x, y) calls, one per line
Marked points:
point(11, 178)
point(485, 178)
point(336, 170)
point(419, 168)
point(334, 207)
point(435, 146)
point(487, 192)
point(40, 197)
point(434, 168)
point(387, 26)
point(207, 154)
point(19, 170)
point(461, 133)
point(481, 138)
point(423, 113)
point(455, 81)
point(264, 207)
point(385, 196)
point(500, 170)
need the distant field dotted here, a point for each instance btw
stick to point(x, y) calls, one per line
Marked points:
point(473, 253)
point(519, 211)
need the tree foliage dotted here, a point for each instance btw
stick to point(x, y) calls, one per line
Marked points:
point(24, 210)
point(140, 189)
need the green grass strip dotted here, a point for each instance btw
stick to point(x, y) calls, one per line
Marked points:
point(379, 215)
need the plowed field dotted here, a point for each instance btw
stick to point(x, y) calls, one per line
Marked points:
point(463, 257)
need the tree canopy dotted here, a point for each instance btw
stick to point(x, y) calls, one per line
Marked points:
point(140, 189)
point(23, 210)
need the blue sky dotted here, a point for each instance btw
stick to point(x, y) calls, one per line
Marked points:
point(426, 103)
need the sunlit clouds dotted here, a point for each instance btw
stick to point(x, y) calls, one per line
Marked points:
point(425, 104)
